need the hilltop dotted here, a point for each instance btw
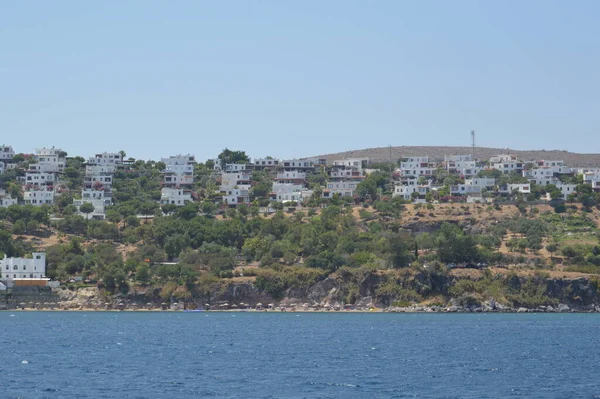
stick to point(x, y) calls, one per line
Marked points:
point(384, 154)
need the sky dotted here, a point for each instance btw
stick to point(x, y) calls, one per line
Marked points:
point(298, 78)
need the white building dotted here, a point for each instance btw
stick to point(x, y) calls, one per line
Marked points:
point(283, 192)
point(407, 187)
point(473, 186)
point(240, 194)
point(461, 164)
point(48, 160)
point(6, 153)
point(342, 188)
point(41, 179)
point(522, 188)
point(92, 169)
point(506, 163)
point(261, 163)
point(567, 189)
point(2, 167)
point(236, 167)
point(100, 199)
point(106, 158)
point(591, 176)
point(291, 176)
point(174, 196)
point(231, 180)
point(38, 197)
point(416, 167)
point(98, 182)
point(298, 164)
point(179, 170)
point(23, 268)
point(6, 200)
point(356, 163)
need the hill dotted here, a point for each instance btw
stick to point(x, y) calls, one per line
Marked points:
point(383, 154)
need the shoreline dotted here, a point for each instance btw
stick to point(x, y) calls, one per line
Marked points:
point(361, 311)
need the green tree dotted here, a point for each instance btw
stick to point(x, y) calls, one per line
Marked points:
point(19, 227)
point(87, 208)
point(228, 156)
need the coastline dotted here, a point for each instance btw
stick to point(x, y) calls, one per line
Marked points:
point(451, 309)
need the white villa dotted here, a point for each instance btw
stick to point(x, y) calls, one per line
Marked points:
point(407, 187)
point(473, 186)
point(23, 268)
point(240, 194)
point(506, 163)
point(283, 192)
point(38, 197)
point(49, 160)
point(5, 199)
point(6, 153)
point(100, 199)
point(298, 164)
point(236, 167)
point(356, 163)
point(179, 170)
point(416, 167)
point(464, 165)
point(174, 196)
point(41, 179)
point(261, 163)
point(343, 188)
point(106, 158)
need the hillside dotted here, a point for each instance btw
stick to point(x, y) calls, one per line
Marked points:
point(383, 154)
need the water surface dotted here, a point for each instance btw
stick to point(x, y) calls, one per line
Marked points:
point(307, 355)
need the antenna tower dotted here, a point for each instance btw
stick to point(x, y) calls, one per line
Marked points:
point(473, 144)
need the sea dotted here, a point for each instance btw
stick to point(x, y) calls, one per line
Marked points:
point(298, 355)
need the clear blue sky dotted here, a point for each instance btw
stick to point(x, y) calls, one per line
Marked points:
point(301, 78)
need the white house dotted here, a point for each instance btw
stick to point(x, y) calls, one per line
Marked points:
point(298, 163)
point(235, 167)
point(506, 163)
point(179, 170)
point(6, 153)
point(240, 194)
point(522, 188)
point(416, 167)
point(49, 160)
point(98, 182)
point(106, 158)
point(38, 197)
point(92, 169)
point(261, 163)
point(343, 188)
point(461, 164)
point(473, 186)
point(41, 179)
point(291, 176)
point(356, 163)
point(591, 176)
point(23, 268)
point(6, 200)
point(283, 192)
point(346, 173)
point(231, 180)
point(174, 196)
point(407, 187)
point(100, 199)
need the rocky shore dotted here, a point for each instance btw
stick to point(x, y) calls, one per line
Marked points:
point(328, 295)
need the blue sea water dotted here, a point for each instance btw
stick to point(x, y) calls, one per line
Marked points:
point(306, 355)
